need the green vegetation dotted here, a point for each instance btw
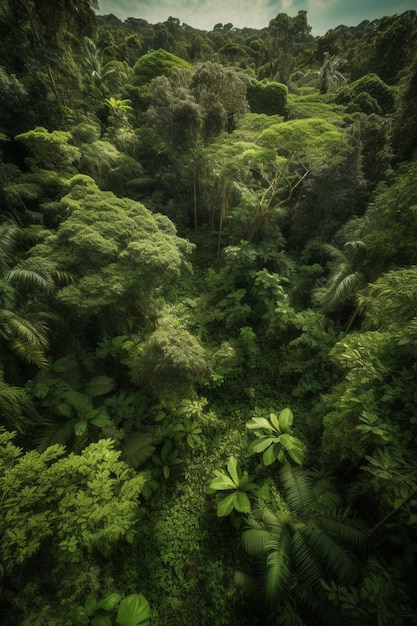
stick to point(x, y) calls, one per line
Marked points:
point(208, 321)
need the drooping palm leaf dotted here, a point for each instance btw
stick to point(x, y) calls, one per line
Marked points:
point(29, 353)
point(297, 487)
point(16, 408)
point(353, 535)
point(277, 574)
point(305, 562)
point(337, 562)
point(138, 448)
point(79, 401)
point(247, 583)
point(56, 432)
point(254, 541)
point(99, 386)
point(31, 279)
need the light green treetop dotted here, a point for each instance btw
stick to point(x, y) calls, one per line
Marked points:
point(118, 252)
point(80, 503)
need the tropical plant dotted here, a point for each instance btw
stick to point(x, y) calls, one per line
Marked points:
point(298, 540)
point(119, 252)
point(133, 610)
point(241, 484)
point(275, 439)
point(74, 405)
point(190, 431)
point(169, 363)
point(51, 149)
point(26, 289)
point(327, 78)
point(348, 276)
point(100, 72)
point(17, 409)
point(167, 459)
point(42, 490)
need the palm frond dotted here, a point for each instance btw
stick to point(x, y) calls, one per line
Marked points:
point(298, 488)
point(289, 616)
point(9, 233)
point(29, 353)
point(346, 286)
point(350, 534)
point(149, 488)
point(30, 279)
point(325, 497)
point(305, 559)
point(16, 408)
point(255, 540)
point(31, 332)
point(333, 253)
point(247, 583)
point(56, 432)
point(79, 401)
point(138, 448)
point(277, 575)
point(337, 562)
point(99, 386)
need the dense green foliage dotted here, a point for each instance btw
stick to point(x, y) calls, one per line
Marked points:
point(208, 321)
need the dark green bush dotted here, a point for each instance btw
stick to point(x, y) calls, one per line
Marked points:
point(267, 97)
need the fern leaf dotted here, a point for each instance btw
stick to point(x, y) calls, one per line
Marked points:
point(99, 386)
point(56, 433)
point(138, 448)
point(298, 488)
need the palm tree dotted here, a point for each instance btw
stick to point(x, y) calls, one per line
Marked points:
point(327, 78)
point(99, 71)
point(297, 542)
point(347, 277)
point(25, 287)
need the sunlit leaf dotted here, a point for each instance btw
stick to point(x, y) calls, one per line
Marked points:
point(285, 419)
point(226, 506)
point(134, 610)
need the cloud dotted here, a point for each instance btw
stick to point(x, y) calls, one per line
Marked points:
point(204, 14)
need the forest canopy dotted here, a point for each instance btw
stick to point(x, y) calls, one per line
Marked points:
point(208, 321)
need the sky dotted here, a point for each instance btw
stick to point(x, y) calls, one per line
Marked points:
point(204, 14)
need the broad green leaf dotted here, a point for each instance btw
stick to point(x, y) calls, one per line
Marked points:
point(99, 386)
point(80, 616)
point(90, 604)
point(234, 469)
point(269, 456)
point(259, 445)
point(80, 428)
point(297, 453)
point(285, 419)
point(100, 420)
point(134, 610)
point(166, 471)
point(287, 441)
point(226, 506)
point(241, 502)
point(274, 421)
point(109, 602)
point(259, 422)
point(222, 482)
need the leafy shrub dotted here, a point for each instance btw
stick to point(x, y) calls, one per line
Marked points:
point(267, 97)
